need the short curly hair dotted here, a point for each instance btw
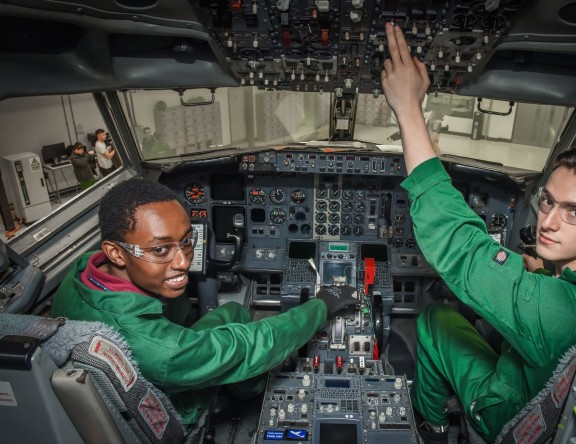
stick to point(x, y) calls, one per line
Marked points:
point(118, 206)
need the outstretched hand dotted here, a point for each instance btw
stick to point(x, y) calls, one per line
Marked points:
point(337, 298)
point(404, 78)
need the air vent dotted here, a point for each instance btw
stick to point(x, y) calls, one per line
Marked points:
point(137, 4)
point(568, 13)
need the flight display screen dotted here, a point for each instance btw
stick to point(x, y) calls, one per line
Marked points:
point(331, 433)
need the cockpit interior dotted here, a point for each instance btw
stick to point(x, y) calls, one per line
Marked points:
point(268, 120)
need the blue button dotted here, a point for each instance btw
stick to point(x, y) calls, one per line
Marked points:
point(296, 434)
point(274, 435)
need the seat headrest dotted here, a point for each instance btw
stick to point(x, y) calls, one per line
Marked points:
point(537, 421)
point(100, 350)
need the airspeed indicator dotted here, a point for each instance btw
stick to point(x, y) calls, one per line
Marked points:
point(257, 196)
point(195, 193)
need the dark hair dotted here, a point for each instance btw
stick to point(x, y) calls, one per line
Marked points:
point(78, 145)
point(566, 159)
point(98, 131)
point(118, 206)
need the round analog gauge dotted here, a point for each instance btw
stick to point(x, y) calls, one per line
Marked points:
point(346, 230)
point(411, 243)
point(257, 196)
point(321, 205)
point(346, 206)
point(359, 207)
point(277, 196)
point(298, 196)
point(334, 218)
point(321, 193)
point(334, 206)
point(195, 194)
point(321, 218)
point(347, 218)
point(277, 216)
point(358, 218)
point(348, 194)
point(335, 193)
point(360, 195)
point(320, 230)
point(397, 242)
point(333, 230)
point(358, 230)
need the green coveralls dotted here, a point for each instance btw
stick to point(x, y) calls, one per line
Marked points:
point(223, 347)
point(535, 313)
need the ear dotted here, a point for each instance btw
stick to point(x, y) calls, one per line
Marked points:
point(114, 253)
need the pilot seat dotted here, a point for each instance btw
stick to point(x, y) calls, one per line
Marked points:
point(64, 381)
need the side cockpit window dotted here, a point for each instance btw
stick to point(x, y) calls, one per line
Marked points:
point(54, 149)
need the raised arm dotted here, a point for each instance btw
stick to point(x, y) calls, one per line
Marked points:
point(405, 82)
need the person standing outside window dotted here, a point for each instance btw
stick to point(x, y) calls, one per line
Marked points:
point(104, 153)
point(80, 160)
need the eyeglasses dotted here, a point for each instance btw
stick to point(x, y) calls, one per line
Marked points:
point(162, 253)
point(566, 210)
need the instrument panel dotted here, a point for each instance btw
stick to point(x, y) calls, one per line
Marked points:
point(350, 401)
point(340, 209)
point(311, 218)
point(340, 45)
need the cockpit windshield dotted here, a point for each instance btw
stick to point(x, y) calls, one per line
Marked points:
point(168, 125)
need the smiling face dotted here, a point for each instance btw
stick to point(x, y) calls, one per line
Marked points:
point(156, 223)
point(556, 239)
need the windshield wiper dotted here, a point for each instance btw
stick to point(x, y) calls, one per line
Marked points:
point(489, 162)
point(210, 151)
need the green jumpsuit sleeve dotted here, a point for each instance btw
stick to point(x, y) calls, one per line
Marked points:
point(209, 355)
point(534, 312)
point(223, 347)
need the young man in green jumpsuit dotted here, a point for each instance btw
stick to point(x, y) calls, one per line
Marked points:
point(533, 312)
point(137, 284)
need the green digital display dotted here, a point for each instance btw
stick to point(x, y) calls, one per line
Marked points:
point(337, 247)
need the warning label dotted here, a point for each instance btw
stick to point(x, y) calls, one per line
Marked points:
point(530, 428)
point(154, 413)
point(35, 164)
point(563, 384)
point(7, 395)
point(115, 358)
